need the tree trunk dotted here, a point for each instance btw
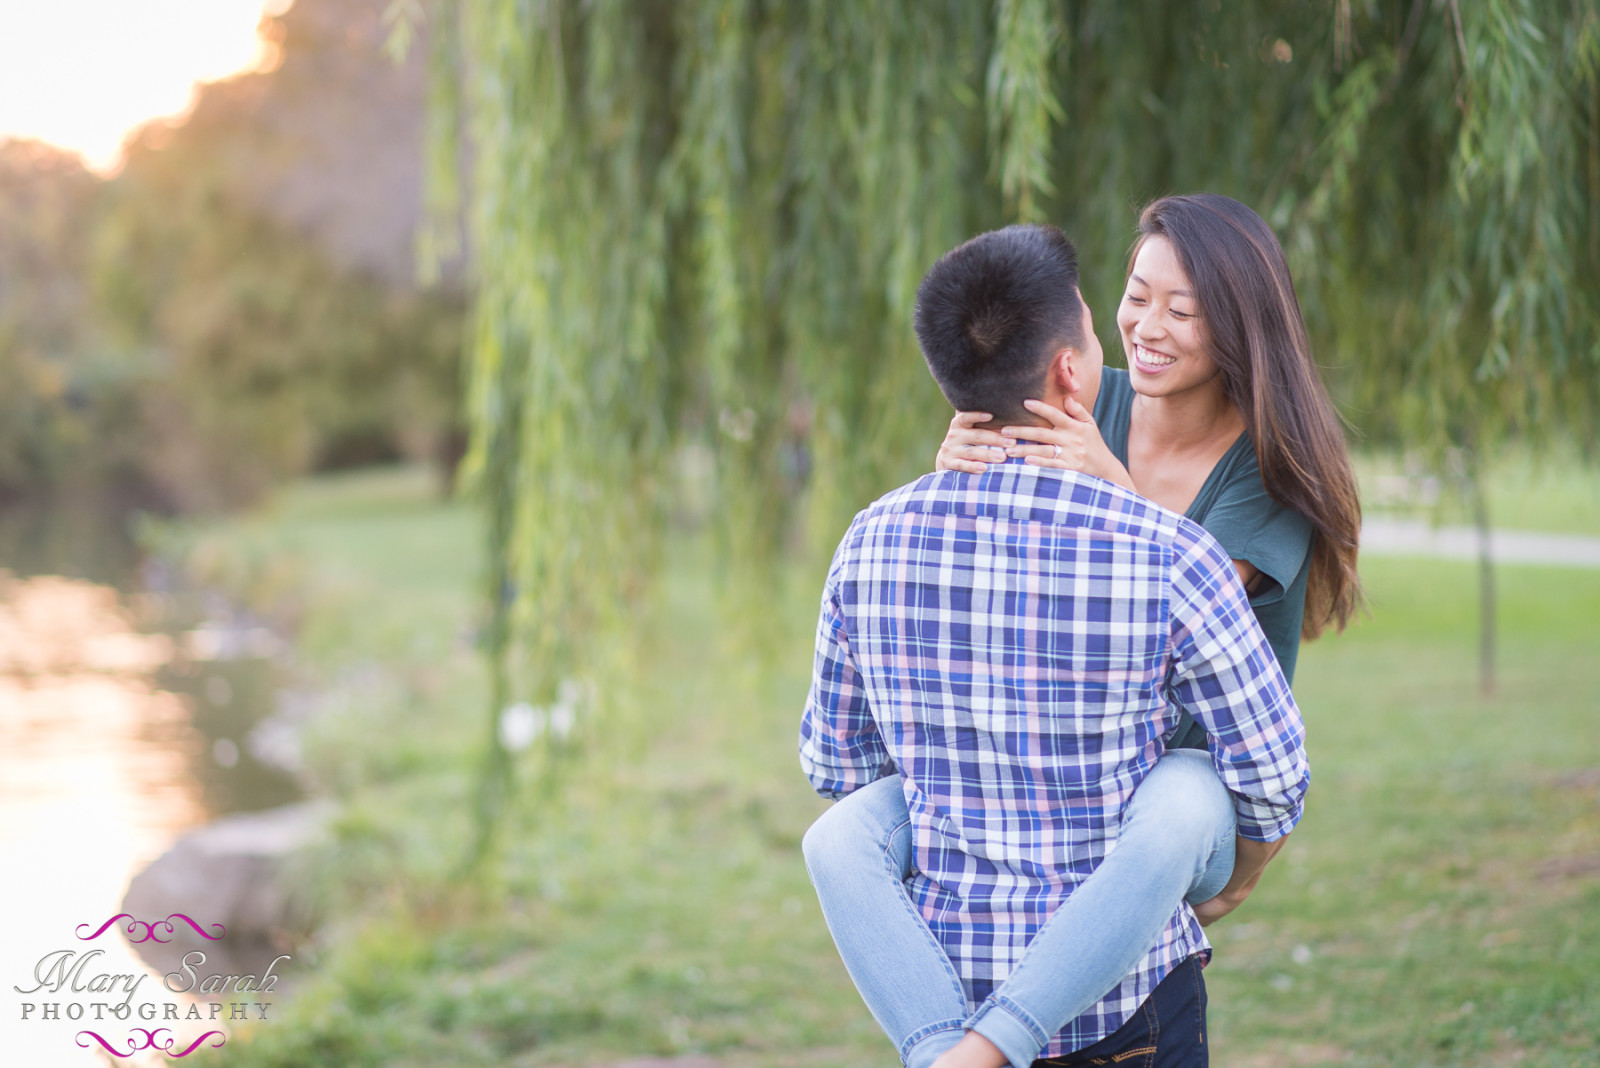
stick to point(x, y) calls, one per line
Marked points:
point(1478, 496)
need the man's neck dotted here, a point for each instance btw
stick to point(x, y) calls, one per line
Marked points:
point(1025, 419)
point(1056, 398)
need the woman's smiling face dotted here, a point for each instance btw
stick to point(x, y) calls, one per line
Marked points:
point(1159, 320)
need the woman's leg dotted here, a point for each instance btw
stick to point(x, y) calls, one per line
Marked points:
point(1176, 842)
point(858, 854)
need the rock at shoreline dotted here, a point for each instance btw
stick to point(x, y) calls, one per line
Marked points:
point(233, 871)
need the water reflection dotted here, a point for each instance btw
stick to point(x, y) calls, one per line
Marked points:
point(112, 743)
point(227, 701)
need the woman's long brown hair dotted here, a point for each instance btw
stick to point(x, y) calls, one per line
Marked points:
point(1250, 318)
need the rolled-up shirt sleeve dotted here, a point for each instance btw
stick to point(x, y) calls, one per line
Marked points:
point(1225, 675)
point(841, 749)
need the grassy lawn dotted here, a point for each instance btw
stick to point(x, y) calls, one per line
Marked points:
point(1440, 904)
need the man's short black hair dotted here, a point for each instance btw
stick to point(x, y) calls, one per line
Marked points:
point(992, 312)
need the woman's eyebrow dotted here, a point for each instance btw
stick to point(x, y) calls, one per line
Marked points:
point(1171, 292)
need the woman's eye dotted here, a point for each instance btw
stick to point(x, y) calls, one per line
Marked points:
point(1176, 314)
point(1131, 299)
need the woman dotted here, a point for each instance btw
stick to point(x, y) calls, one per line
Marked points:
point(1221, 416)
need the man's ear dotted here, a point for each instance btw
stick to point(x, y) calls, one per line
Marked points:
point(1064, 370)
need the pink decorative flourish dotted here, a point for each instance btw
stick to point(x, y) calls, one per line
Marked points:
point(152, 1041)
point(102, 930)
point(165, 926)
point(221, 930)
point(222, 1040)
point(106, 1045)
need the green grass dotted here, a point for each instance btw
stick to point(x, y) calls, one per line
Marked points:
point(1445, 883)
point(1439, 906)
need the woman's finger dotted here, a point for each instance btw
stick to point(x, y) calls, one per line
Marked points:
point(962, 438)
point(1045, 451)
point(1056, 416)
point(1047, 434)
point(1074, 410)
point(967, 420)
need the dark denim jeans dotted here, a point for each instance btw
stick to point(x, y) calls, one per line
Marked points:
point(1167, 1031)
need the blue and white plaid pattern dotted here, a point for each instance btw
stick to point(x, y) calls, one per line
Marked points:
point(1018, 643)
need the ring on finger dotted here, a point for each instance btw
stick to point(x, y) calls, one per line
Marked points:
point(1058, 452)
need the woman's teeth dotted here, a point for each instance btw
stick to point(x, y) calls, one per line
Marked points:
point(1154, 359)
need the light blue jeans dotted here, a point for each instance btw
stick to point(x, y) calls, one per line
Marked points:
point(1176, 843)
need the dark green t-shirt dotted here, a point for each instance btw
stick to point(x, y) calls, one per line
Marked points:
point(1235, 508)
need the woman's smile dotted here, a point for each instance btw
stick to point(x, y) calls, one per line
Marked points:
point(1150, 361)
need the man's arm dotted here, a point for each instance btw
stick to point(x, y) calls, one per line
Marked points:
point(841, 749)
point(1225, 674)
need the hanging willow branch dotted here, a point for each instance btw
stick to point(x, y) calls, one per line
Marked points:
point(1022, 102)
point(699, 225)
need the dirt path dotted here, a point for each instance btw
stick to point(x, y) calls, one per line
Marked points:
point(1382, 536)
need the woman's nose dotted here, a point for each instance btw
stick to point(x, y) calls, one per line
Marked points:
point(1147, 327)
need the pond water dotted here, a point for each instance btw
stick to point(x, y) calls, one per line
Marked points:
point(115, 738)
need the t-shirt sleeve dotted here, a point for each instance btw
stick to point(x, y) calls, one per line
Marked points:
point(1251, 526)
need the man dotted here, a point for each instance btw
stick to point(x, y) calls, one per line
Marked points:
point(1017, 643)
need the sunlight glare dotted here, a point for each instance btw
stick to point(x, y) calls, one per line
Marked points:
point(81, 74)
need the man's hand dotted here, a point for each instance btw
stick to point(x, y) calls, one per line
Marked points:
point(1249, 861)
point(1209, 912)
point(973, 1051)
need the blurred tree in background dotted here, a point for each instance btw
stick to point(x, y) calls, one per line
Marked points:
point(700, 225)
point(1450, 224)
point(66, 414)
point(264, 248)
point(238, 304)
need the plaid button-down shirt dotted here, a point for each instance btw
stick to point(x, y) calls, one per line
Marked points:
point(1018, 643)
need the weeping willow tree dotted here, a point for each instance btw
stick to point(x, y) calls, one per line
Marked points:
point(699, 226)
point(1452, 226)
